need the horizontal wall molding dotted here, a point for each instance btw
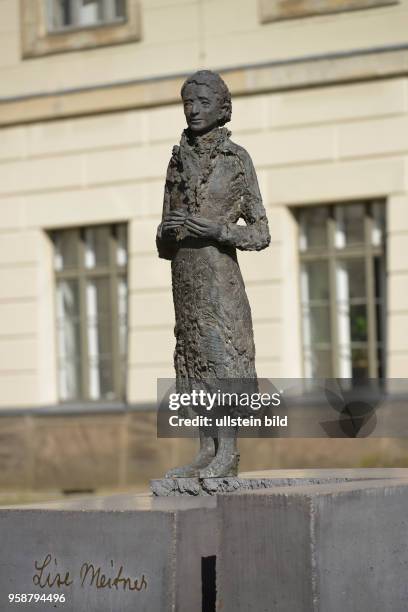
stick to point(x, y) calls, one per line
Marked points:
point(298, 73)
point(82, 408)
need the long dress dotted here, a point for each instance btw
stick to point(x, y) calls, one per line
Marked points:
point(212, 177)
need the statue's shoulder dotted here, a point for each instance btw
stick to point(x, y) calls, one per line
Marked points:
point(235, 149)
point(242, 154)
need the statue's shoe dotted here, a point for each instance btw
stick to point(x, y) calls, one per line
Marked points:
point(184, 471)
point(224, 464)
point(191, 470)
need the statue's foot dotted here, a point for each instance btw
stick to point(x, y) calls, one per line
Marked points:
point(224, 464)
point(184, 471)
point(204, 457)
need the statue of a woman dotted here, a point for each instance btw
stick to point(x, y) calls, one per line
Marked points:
point(210, 184)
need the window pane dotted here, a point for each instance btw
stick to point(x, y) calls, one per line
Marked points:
point(318, 363)
point(106, 384)
point(101, 385)
point(59, 13)
point(359, 363)
point(378, 232)
point(68, 335)
point(97, 246)
point(122, 315)
point(90, 12)
point(69, 378)
point(98, 318)
point(381, 362)
point(67, 301)
point(379, 276)
point(98, 298)
point(99, 337)
point(352, 322)
point(316, 318)
point(351, 280)
point(316, 325)
point(123, 336)
point(380, 322)
point(123, 378)
point(349, 225)
point(66, 249)
point(315, 281)
point(353, 362)
point(358, 323)
point(121, 248)
point(120, 8)
point(313, 227)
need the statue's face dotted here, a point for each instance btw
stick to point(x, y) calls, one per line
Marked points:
point(201, 108)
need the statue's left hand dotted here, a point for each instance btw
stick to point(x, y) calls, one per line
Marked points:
point(203, 228)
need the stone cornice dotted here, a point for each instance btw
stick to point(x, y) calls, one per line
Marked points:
point(286, 75)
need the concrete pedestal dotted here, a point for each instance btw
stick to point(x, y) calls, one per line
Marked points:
point(331, 547)
point(308, 540)
point(117, 554)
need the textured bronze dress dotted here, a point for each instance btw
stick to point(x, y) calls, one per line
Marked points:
point(213, 178)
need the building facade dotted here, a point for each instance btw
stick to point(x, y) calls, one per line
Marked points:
point(89, 112)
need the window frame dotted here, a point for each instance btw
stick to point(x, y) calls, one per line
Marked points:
point(271, 11)
point(38, 40)
point(331, 254)
point(113, 271)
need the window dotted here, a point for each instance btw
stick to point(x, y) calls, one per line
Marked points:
point(342, 277)
point(57, 26)
point(63, 14)
point(91, 304)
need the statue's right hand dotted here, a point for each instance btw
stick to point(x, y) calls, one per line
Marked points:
point(172, 221)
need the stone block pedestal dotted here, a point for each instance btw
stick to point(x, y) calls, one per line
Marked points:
point(120, 554)
point(283, 540)
point(328, 547)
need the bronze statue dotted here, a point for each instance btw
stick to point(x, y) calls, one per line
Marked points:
point(210, 184)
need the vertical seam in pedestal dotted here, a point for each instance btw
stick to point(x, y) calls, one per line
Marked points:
point(173, 588)
point(313, 559)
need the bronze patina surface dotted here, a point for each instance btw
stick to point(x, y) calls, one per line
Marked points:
point(211, 184)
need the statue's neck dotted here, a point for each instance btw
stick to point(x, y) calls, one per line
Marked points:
point(203, 137)
point(204, 143)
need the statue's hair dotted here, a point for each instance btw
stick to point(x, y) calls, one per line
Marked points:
point(217, 85)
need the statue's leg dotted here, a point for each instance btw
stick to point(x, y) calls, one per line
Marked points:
point(205, 455)
point(225, 463)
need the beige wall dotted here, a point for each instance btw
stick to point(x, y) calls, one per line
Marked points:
point(309, 146)
point(182, 35)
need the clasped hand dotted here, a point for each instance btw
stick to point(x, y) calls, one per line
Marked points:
point(197, 226)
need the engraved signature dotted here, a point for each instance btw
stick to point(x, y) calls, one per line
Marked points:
point(90, 574)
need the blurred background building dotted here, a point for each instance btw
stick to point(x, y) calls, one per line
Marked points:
point(89, 112)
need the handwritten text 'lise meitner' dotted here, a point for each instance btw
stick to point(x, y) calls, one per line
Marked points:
point(89, 575)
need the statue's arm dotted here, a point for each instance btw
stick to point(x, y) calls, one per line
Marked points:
point(166, 245)
point(254, 236)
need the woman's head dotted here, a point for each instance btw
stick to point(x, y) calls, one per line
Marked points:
point(207, 101)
